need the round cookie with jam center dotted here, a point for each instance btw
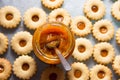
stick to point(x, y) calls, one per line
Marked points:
point(52, 73)
point(22, 42)
point(34, 17)
point(79, 71)
point(103, 30)
point(3, 43)
point(60, 15)
point(82, 51)
point(100, 72)
point(52, 4)
point(81, 26)
point(103, 53)
point(9, 17)
point(5, 69)
point(24, 67)
point(115, 10)
point(116, 65)
point(94, 9)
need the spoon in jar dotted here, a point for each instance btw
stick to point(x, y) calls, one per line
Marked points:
point(53, 45)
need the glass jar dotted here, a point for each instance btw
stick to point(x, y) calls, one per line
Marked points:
point(50, 32)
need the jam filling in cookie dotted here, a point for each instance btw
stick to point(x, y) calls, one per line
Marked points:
point(81, 48)
point(103, 30)
point(25, 66)
point(35, 18)
point(81, 25)
point(101, 74)
point(59, 18)
point(104, 53)
point(9, 16)
point(22, 43)
point(77, 73)
point(94, 8)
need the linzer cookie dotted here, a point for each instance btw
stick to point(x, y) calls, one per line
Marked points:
point(82, 51)
point(52, 4)
point(94, 9)
point(3, 43)
point(81, 26)
point(34, 18)
point(5, 69)
point(22, 42)
point(24, 67)
point(79, 71)
point(9, 17)
point(103, 30)
point(60, 15)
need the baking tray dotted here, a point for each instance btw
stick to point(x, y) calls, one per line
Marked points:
point(75, 8)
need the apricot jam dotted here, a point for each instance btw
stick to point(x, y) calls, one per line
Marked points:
point(51, 32)
point(101, 74)
point(9, 16)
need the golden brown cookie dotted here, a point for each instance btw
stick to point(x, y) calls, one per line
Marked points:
point(3, 43)
point(81, 26)
point(24, 67)
point(5, 69)
point(115, 10)
point(9, 17)
point(100, 72)
point(79, 71)
point(103, 30)
point(116, 65)
point(82, 51)
point(60, 15)
point(34, 18)
point(52, 73)
point(22, 42)
point(103, 53)
point(94, 9)
point(52, 4)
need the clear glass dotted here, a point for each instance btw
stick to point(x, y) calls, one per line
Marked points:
point(42, 36)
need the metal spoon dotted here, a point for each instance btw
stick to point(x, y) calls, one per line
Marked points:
point(54, 45)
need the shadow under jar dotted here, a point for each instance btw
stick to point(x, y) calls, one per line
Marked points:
point(51, 32)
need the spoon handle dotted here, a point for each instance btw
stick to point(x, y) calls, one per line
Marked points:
point(64, 62)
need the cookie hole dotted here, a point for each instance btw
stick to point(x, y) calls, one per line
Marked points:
point(1, 68)
point(81, 25)
point(52, 0)
point(22, 43)
point(103, 30)
point(25, 66)
point(53, 76)
point(94, 8)
point(59, 18)
point(101, 74)
point(35, 18)
point(9, 16)
point(104, 53)
point(77, 73)
point(81, 48)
